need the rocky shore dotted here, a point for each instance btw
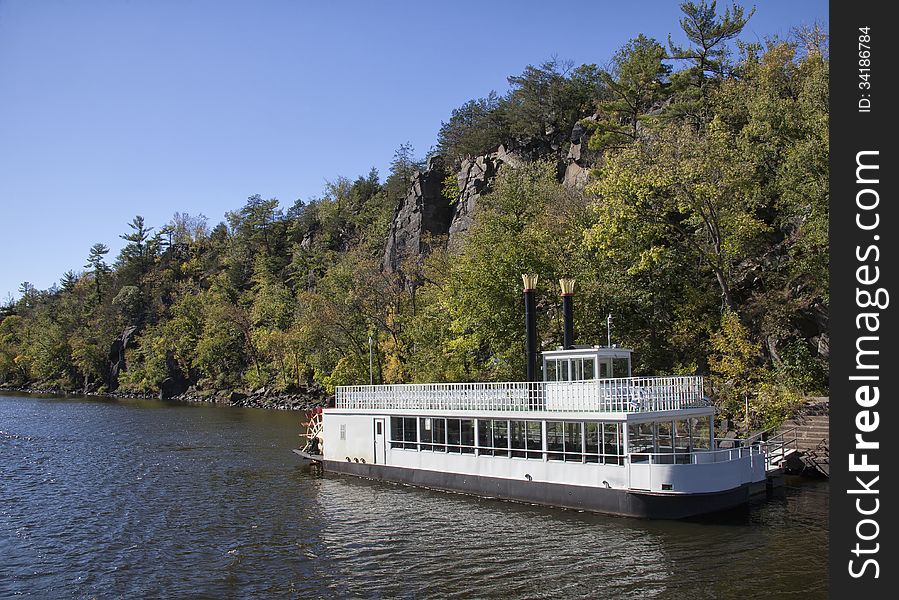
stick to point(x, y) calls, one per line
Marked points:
point(302, 399)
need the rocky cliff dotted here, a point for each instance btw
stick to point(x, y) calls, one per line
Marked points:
point(425, 215)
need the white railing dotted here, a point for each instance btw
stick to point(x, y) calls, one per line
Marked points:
point(630, 394)
point(695, 457)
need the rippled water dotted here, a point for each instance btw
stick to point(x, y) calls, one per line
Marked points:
point(113, 499)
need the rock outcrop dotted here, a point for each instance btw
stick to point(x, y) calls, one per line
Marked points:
point(580, 158)
point(423, 213)
point(117, 356)
point(175, 383)
point(475, 178)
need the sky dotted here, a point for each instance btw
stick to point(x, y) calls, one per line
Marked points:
point(114, 108)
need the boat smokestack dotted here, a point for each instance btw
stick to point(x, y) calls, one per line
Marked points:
point(530, 323)
point(567, 286)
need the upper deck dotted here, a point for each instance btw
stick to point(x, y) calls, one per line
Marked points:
point(618, 395)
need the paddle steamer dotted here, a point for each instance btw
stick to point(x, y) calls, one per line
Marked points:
point(588, 435)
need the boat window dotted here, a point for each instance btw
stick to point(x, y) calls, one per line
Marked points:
point(558, 369)
point(432, 434)
point(396, 432)
point(603, 443)
point(555, 445)
point(700, 432)
point(591, 441)
point(551, 367)
point(467, 430)
point(485, 437)
point(453, 435)
point(425, 433)
point(501, 438)
point(439, 434)
point(581, 369)
point(404, 432)
point(588, 368)
point(640, 439)
point(663, 436)
point(664, 442)
point(410, 433)
point(605, 369)
point(518, 438)
point(574, 438)
point(613, 448)
point(535, 439)
point(682, 435)
point(620, 367)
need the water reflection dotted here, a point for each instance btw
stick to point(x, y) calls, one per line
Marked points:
point(155, 499)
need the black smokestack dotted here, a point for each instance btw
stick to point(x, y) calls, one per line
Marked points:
point(530, 323)
point(567, 286)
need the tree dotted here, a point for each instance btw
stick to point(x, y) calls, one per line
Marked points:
point(637, 83)
point(696, 187)
point(220, 355)
point(96, 262)
point(546, 102)
point(13, 363)
point(29, 293)
point(68, 281)
point(136, 247)
point(185, 229)
point(707, 56)
point(402, 169)
point(469, 323)
point(136, 256)
point(256, 229)
point(475, 128)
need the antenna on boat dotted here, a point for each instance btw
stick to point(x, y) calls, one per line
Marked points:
point(567, 286)
point(371, 372)
point(530, 322)
point(609, 330)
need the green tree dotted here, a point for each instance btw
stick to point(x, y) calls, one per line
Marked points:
point(546, 102)
point(402, 169)
point(136, 256)
point(707, 56)
point(68, 281)
point(636, 83)
point(691, 188)
point(469, 325)
point(13, 362)
point(97, 264)
point(477, 127)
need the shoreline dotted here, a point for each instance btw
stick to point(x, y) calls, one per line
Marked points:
point(311, 398)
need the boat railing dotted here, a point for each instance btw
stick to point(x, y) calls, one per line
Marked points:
point(695, 457)
point(627, 394)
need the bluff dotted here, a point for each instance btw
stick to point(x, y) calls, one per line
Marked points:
point(426, 216)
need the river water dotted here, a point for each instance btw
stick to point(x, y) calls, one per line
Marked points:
point(149, 499)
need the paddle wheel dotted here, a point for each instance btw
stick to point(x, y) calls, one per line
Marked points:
point(314, 432)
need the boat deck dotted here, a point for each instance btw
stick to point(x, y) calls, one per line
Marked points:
point(619, 395)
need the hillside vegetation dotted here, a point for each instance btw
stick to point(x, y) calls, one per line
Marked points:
point(702, 230)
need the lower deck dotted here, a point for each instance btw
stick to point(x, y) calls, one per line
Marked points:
point(664, 454)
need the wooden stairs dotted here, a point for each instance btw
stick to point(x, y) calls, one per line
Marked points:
point(811, 433)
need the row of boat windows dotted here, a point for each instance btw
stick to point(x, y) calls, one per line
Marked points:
point(579, 369)
point(676, 438)
point(572, 441)
point(575, 441)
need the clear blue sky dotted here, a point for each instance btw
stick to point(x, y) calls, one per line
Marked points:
point(112, 108)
